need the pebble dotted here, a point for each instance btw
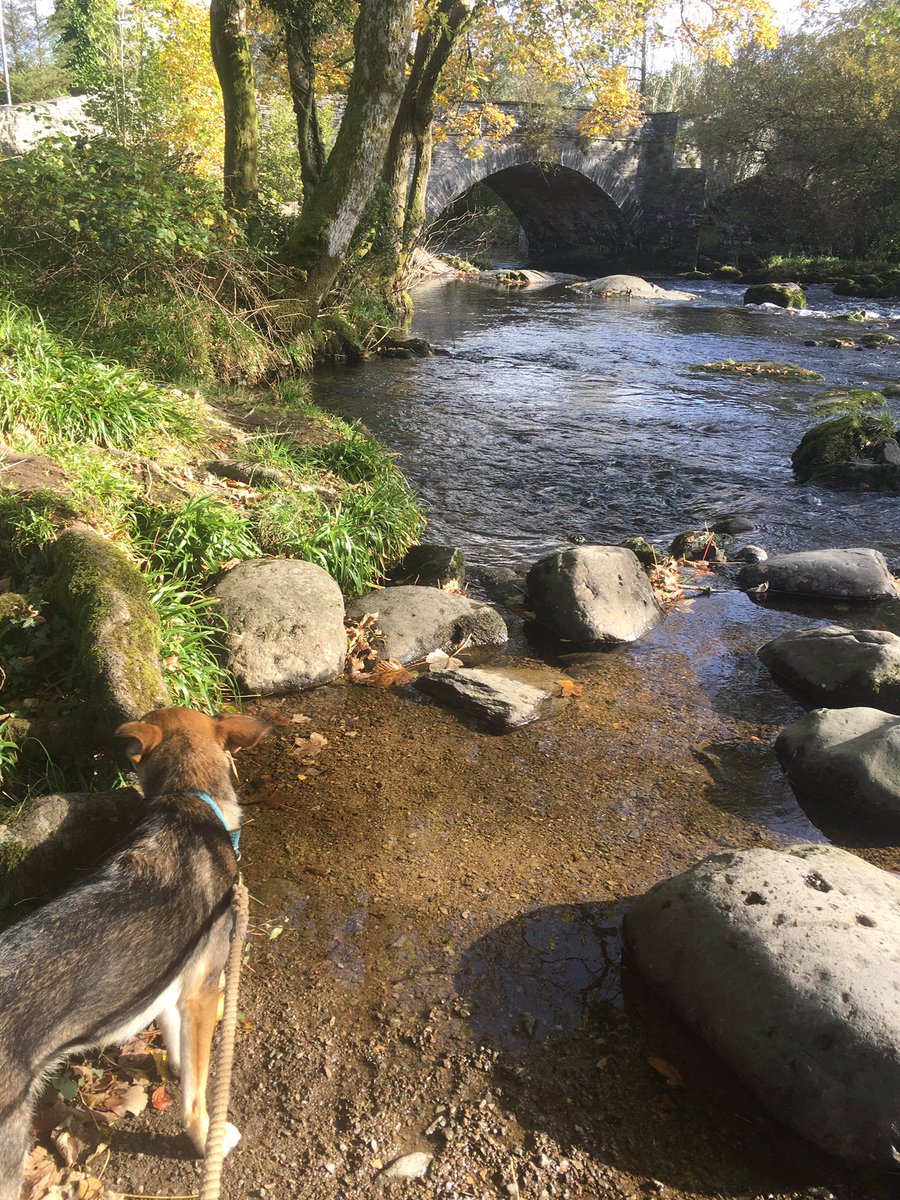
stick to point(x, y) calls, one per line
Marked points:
point(408, 1166)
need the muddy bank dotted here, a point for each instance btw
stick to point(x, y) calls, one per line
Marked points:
point(448, 974)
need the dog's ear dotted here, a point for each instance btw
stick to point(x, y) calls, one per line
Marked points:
point(240, 733)
point(139, 738)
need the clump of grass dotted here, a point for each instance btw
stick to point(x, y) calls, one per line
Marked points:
point(53, 391)
point(186, 541)
point(191, 645)
point(29, 525)
point(354, 456)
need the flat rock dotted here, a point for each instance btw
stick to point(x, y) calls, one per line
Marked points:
point(631, 287)
point(285, 624)
point(846, 757)
point(417, 620)
point(836, 667)
point(854, 574)
point(591, 594)
point(499, 701)
point(788, 963)
point(408, 1166)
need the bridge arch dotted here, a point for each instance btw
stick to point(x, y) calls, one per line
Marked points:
point(583, 201)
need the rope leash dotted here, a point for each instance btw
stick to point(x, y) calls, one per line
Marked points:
point(218, 1109)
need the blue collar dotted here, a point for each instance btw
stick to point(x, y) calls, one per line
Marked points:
point(234, 834)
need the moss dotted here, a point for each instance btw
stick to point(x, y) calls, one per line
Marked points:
point(647, 555)
point(877, 341)
point(761, 369)
point(785, 295)
point(728, 274)
point(841, 399)
point(11, 605)
point(701, 545)
point(117, 630)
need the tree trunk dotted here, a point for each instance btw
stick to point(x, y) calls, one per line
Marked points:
point(321, 234)
point(301, 72)
point(408, 161)
point(234, 67)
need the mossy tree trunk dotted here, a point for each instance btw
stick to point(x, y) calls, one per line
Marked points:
point(408, 160)
point(234, 66)
point(321, 234)
point(302, 75)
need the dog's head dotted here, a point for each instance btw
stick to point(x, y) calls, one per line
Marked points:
point(170, 743)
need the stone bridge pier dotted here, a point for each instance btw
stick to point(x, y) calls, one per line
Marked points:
point(584, 204)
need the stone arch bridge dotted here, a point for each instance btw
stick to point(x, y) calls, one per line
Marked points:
point(583, 202)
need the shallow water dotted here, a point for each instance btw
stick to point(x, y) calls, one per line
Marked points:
point(560, 416)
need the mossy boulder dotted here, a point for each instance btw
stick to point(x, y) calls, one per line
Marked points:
point(877, 341)
point(105, 598)
point(11, 605)
point(646, 554)
point(701, 545)
point(785, 295)
point(843, 399)
point(728, 274)
point(854, 449)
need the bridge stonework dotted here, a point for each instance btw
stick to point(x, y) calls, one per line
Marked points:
point(583, 202)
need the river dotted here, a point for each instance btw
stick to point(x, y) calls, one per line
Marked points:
point(557, 416)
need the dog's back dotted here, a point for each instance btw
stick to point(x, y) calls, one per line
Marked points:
point(145, 930)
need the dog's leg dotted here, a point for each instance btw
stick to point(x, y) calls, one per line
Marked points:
point(198, 1023)
point(14, 1138)
point(169, 1022)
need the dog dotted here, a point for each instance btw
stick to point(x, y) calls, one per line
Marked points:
point(145, 936)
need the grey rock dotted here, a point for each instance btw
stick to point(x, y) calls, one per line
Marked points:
point(430, 566)
point(836, 667)
point(593, 594)
point(408, 1166)
point(854, 574)
point(846, 757)
point(733, 525)
point(498, 701)
point(787, 962)
point(750, 554)
point(59, 835)
point(502, 585)
point(251, 473)
point(285, 624)
point(631, 287)
point(417, 620)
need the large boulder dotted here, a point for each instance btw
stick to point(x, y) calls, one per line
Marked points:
point(416, 620)
point(837, 667)
point(787, 963)
point(785, 295)
point(853, 574)
point(851, 450)
point(846, 757)
point(630, 287)
point(285, 624)
point(591, 594)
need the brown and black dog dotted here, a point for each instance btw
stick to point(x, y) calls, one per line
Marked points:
point(149, 929)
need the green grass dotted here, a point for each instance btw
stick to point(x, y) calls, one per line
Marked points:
point(50, 390)
point(192, 641)
point(189, 540)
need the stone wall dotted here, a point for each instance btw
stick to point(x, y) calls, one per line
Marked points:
point(23, 125)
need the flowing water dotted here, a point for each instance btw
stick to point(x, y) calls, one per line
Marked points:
point(558, 416)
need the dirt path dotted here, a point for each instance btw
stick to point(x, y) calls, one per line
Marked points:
point(447, 977)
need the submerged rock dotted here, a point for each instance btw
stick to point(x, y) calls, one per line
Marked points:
point(417, 620)
point(593, 594)
point(701, 545)
point(853, 574)
point(761, 368)
point(285, 624)
point(837, 667)
point(786, 962)
point(846, 757)
point(499, 701)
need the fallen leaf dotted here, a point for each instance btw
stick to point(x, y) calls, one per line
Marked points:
point(161, 1100)
point(438, 660)
point(568, 688)
point(388, 673)
point(669, 1071)
point(275, 932)
point(300, 719)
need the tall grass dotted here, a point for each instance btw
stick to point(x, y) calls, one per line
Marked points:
point(51, 390)
point(186, 541)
